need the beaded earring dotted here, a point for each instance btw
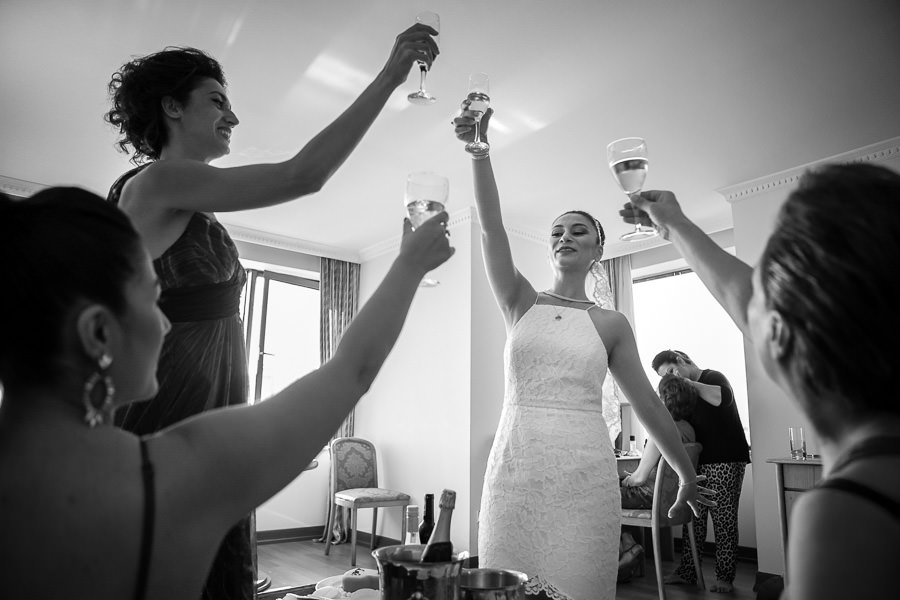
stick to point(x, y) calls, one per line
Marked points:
point(95, 414)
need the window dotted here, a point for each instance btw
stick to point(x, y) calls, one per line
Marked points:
point(676, 312)
point(281, 325)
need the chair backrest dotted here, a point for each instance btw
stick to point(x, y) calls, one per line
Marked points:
point(353, 464)
point(665, 490)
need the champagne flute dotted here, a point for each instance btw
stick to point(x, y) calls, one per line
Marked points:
point(478, 102)
point(421, 96)
point(628, 161)
point(426, 195)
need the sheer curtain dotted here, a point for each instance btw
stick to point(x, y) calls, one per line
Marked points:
point(618, 271)
point(339, 300)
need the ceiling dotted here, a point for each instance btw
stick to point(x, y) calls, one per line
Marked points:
point(723, 91)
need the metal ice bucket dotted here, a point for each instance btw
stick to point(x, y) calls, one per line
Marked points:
point(403, 577)
point(492, 584)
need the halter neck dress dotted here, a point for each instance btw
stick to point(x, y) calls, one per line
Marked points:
point(550, 507)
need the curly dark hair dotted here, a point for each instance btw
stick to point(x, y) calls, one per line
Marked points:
point(679, 396)
point(136, 91)
point(827, 270)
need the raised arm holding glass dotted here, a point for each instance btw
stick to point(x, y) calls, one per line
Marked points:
point(172, 110)
point(101, 512)
point(823, 293)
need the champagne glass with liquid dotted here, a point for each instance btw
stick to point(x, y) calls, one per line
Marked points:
point(628, 162)
point(478, 101)
point(426, 195)
point(421, 96)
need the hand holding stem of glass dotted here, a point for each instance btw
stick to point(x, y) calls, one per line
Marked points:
point(426, 195)
point(478, 101)
point(628, 162)
point(421, 96)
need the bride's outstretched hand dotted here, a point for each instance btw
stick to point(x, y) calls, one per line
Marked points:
point(690, 497)
point(464, 124)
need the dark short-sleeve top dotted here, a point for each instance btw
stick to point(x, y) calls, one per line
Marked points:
point(719, 428)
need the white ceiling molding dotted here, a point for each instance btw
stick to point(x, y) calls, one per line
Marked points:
point(612, 249)
point(458, 217)
point(877, 152)
point(470, 214)
point(19, 187)
point(262, 238)
point(616, 248)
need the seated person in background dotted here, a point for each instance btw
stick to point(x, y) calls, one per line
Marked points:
point(680, 397)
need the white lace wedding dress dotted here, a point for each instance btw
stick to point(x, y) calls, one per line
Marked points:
point(551, 505)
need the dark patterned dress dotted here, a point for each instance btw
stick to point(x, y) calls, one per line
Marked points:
point(203, 364)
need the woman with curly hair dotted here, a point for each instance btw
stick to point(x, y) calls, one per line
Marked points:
point(172, 110)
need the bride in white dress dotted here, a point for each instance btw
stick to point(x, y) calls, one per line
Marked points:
point(550, 505)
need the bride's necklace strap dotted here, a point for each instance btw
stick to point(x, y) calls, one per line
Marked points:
point(566, 298)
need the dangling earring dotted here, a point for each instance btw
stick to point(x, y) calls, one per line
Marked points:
point(95, 415)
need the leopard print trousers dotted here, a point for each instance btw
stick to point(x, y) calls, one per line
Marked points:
point(726, 479)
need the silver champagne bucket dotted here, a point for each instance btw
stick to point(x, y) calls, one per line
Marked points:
point(492, 584)
point(403, 577)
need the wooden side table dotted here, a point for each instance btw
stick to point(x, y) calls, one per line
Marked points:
point(792, 477)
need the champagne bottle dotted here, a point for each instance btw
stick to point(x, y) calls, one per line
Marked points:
point(427, 525)
point(440, 548)
point(412, 523)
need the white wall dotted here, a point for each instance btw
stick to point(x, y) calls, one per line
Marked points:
point(770, 410)
point(488, 341)
point(489, 338)
point(417, 412)
point(302, 503)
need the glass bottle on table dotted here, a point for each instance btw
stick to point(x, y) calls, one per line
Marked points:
point(632, 447)
point(412, 525)
point(427, 524)
point(439, 547)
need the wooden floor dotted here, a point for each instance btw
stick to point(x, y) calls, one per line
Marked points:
point(295, 564)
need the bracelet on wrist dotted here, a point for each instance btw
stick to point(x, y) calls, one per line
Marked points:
point(695, 480)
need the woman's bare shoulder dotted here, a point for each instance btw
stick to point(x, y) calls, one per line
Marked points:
point(608, 320)
point(828, 530)
point(611, 326)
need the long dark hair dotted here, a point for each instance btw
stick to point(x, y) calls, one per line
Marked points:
point(58, 248)
point(136, 91)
